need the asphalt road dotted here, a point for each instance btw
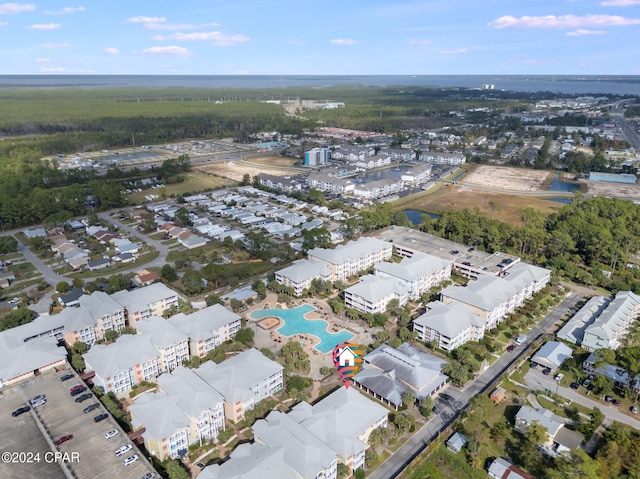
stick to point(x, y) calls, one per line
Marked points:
point(447, 412)
point(539, 382)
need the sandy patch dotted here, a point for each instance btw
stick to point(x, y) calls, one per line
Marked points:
point(505, 178)
point(235, 170)
point(614, 190)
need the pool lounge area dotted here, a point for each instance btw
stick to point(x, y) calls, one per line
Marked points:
point(294, 322)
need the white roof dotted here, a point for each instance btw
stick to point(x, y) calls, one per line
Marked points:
point(485, 293)
point(552, 354)
point(351, 251)
point(161, 332)
point(129, 349)
point(303, 270)
point(340, 419)
point(100, 304)
point(448, 319)
point(192, 393)
point(374, 288)
point(160, 414)
point(234, 377)
point(252, 461)
point(420, 265)
point(201, 324)
point(143, 297)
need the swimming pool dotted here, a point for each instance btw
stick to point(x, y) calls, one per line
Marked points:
point(294, 322)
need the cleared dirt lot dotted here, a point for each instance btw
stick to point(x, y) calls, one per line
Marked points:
point(614, 190)
point(235, 170)
point(505, 178)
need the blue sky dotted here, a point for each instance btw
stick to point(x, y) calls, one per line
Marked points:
point(311, 37)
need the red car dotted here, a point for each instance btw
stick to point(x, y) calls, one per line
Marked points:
point(64, 439)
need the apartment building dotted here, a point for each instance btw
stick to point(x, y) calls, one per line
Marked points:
point(170, 341)
point(243, 381)
point(301, 272)
point(95, 314)
point(185, 411)
point(372, 294)
point(207, 328)
point(443, 158)
point(449, 325)
point(330, 184)
point(316, 157)
point(142, 303)
point(121, 365)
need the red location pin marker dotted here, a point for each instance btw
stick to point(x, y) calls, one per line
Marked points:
point(347, 357)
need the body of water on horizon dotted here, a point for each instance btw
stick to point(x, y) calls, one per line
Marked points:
point(564, 84)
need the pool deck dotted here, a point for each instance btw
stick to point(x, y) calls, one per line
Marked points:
point(263, 338)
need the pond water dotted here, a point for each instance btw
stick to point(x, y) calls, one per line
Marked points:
point(566, 201)
point(415, 216)
point(393, 172)
point(557, 185)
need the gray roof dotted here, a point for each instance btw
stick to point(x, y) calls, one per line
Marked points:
point(568, 438)
point(552, 354)
point(340, 419)
point(418, 266)
point(349, 252)
point(502, 468)
point(390, 372)
point(486, 293)
point(142, 297)
point(125, 353)
point(201, 324)
point(374, 288)
point(304, 452)
point(614, 320)
point(161, 332)
point(18, 357)
point(192, 393)
point(448, 319)
point(303, 269)
point(252, 461)
point(457, 441)
point(544, 417)
point(234, 377)
point(573, 330)
point(100, 304)
point(160, 414)
point(522, 274)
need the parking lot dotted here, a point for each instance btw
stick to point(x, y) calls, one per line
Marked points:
point(88, 455)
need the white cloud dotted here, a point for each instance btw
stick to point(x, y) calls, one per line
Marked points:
point(419, 42)
point(343, 41)
point(582, 31)
point(52, 69)
point(217, 38)
point(620, 3)
point(147, 20)
point(158, 38)
point(44, 26)
point(110, 51)
point(8, 8)
point(176, 26)
point(454, 51)
point(42, 60)
point(170, 50)
point(563, 21)
point(65, 11)
point(297, 41)
point(55, 45)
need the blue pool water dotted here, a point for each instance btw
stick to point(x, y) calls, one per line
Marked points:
point(294, 322)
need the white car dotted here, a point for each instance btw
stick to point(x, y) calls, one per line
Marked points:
point(130, 460)
point(123, 450)
point(113, 432)
point(559, 377)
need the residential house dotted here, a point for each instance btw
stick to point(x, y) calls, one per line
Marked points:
point(243, 380)
point(449, 325)
point(146, 277)
point(551, 355)
point(456, 442)
point(617, 374)
point(71, 298)
point(558, 440)
point(501, 468)
point(279, 183)
point(207, 328)
point(389, 372)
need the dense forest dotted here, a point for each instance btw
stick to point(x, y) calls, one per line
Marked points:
point(592, 241)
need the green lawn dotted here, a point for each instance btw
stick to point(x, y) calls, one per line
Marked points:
point(443, 464)
point(194, 182)
point(142, 259)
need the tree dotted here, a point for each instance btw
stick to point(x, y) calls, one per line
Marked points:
point(245, 335)
point(377, 436)
point(168, 273)
point(175, 470)
point(77, 362)
point(316, 238)
point(370, 457)
point(426, 406)
point(236, 304)
point(457, 371)
point(575, 464)
point(79, 347)
point(408, 399)
point(77, 283)
point(110, 335)
point(246, 179)
point(403, 421)
point(192, 281)
point(527, 447)
point(212, 299)
point(343, 471)
point(62, 287)
point(295, 359)
point(359, 474)
point(268, 353)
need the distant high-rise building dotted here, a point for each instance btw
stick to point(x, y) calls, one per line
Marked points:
point(316, 157)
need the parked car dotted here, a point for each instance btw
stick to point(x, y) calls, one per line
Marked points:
point(634, 409)
point(64, 439)
point(100, 417)
point(546, 371)
point(511, 347)
point(110, 434)
point(123, 450)
point(75, 392)
point(91, 407)
point(38, 400)
point(84, 397)
point(151, 475)
point(130, 460)
point(574, 385)
point(445, 397)
point(587, 383)
point(616, 402)
point(66, 377)
point(75, 387)
point(558, 377)
point(608, 399)
point(21, 410)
